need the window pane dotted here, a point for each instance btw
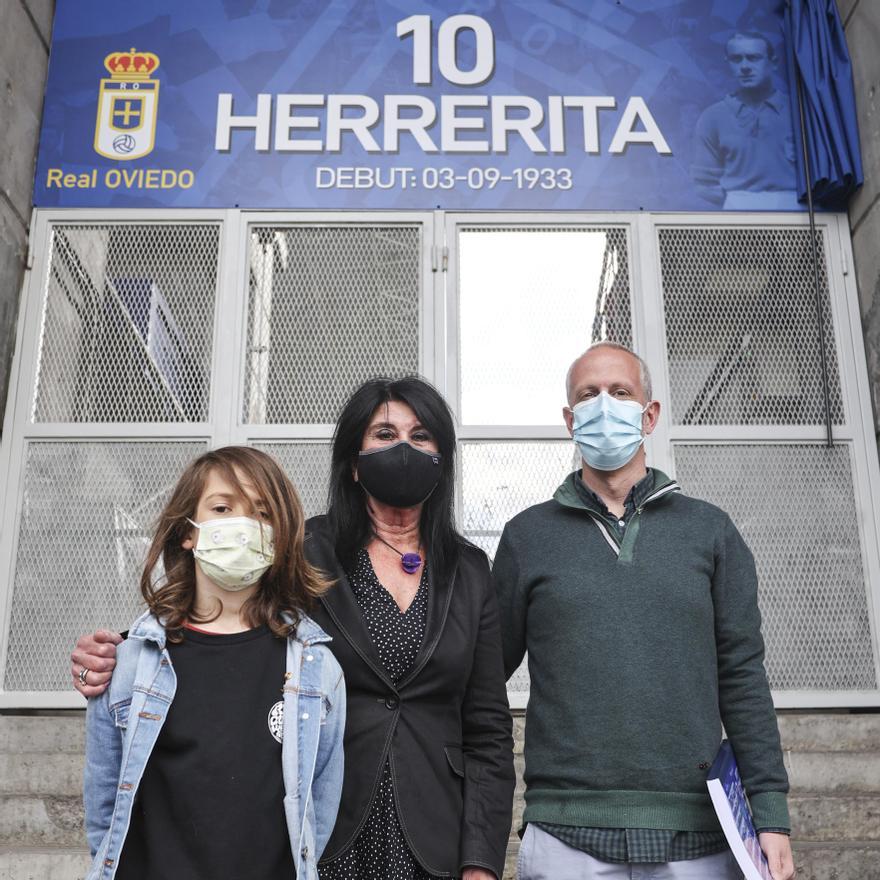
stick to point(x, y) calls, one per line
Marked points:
point(128, 324)
point(308, 466)
point(501, 479)
point(328, 307)
point(531, 299)
point(741, 327)
point(87, 519)
point(794, 506)
point(498, 481)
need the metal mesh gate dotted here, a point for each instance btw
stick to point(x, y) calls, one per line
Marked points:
point(499, 480)
point(128, 324)
point(87, 515)
point(793, 505)
point(118, 400)
point(742, 349)
point(562, 288)
point(327, 308)
point(123, 393)
point(147, 341)
point(308, 466)
point(741, 327)
point(530, 297)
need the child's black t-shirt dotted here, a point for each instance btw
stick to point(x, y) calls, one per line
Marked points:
point(210, 804)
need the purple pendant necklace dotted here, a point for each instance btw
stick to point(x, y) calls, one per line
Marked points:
point(410, 562)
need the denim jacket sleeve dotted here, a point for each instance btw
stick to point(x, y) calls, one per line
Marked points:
point(327, 781)
point(101, 776)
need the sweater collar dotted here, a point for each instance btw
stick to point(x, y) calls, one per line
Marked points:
point(574, 492)
point(634, 498)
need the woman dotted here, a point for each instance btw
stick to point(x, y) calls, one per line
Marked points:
point(428, 749)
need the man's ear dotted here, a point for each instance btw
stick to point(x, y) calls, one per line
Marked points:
point(650, 417)
point(568, 417)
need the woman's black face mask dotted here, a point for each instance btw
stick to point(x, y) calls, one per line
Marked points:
point(399, 475)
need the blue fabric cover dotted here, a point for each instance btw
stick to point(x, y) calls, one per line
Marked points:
point(816, 49)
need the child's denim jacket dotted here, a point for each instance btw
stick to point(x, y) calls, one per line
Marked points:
point(123, 724)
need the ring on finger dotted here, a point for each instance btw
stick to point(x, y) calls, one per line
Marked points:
point(82, 676)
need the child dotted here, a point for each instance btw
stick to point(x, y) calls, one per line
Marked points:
point(225, 703)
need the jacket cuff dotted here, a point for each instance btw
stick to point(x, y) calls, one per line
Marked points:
point(477, 864)
point(770, 810)
point(486, 865)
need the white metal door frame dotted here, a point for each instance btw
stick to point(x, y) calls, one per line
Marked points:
point(649, 338)
point(439, 362)
point(856, 430)
point(224, 424)
point(20, 428)
point(452, 385)
point(429, 296)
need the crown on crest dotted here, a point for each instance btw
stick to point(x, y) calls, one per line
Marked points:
point(131, 64)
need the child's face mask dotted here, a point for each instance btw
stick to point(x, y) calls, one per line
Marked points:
point(235, 551)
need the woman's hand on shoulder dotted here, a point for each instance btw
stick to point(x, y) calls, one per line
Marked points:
point(478, 874)
point(96, 654)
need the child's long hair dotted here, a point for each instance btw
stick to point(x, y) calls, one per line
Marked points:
point(290, 585)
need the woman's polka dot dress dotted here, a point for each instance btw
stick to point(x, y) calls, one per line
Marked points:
point(380, 851)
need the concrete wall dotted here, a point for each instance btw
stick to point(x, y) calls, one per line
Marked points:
point(861, 20)
point(25, 35)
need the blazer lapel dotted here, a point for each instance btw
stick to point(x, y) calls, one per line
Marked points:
point(340, 604)
point(439, 598)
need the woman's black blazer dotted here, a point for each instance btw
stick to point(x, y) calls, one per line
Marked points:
point(446, 724)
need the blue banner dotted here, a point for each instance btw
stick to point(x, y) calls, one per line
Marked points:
point(674, 105)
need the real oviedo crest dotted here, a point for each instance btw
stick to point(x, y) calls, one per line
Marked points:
point(127, 104)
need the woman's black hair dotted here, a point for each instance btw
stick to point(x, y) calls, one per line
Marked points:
point(347, 502)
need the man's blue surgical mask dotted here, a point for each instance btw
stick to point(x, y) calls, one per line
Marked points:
point(608, 431)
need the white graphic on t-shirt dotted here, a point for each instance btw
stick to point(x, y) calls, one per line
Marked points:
point(276, 720)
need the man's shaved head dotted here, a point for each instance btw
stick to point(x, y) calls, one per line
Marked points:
point(644, 372)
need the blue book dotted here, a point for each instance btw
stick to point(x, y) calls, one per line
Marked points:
point(732, 806)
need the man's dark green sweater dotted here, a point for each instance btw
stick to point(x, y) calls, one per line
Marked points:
point(641, 642)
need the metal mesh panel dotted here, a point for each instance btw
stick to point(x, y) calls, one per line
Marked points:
point(128, 323)
point(498, 481)
point(87, 516)
point(501, 479)
point(794, 506)
point(328, 307)
point(741, 327)
point(530, 300)
point(308, 466)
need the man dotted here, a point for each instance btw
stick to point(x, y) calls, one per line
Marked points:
point(638, 608)
point(744, 158)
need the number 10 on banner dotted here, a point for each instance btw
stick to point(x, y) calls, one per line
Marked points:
point(447, 57)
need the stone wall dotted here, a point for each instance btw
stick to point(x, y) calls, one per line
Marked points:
point(832, 759)
point(833, 765)
point(25, 35)
point(861, 20)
